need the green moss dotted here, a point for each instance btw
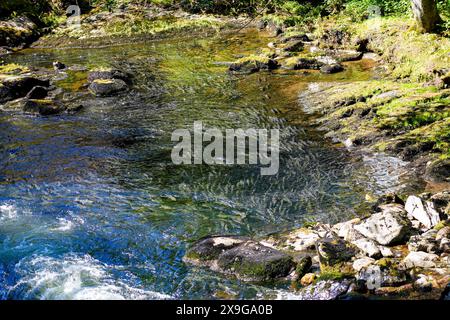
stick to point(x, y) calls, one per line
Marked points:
point(254, 58)
point(13, 68)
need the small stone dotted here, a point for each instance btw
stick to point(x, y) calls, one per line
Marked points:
point(386, 252)
point(109, 74)
point(307, 279)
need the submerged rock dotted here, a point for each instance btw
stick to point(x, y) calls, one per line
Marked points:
point(107, 87)
point(252, 261)
point(253, 64)
point(42, 107)
point(387, 227)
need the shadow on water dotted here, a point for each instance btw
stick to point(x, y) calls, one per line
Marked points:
point(91, 205)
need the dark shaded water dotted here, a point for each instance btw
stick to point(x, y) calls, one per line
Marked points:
point(92, 207)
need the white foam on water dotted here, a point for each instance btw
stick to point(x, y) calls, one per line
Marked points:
point(8, 212)
point(74, 278)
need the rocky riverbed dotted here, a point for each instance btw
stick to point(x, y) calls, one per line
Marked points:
point(399, 250)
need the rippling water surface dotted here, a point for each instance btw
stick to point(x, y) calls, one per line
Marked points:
point(92, 207)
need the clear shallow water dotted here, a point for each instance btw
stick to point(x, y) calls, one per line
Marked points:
point(91, 206)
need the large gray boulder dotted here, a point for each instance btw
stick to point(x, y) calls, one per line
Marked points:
point(390, 226)
point(209, 249)
point(252, 261)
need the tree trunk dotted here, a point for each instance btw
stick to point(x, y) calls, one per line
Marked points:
point(426, 14)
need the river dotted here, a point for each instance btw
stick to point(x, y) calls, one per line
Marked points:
point(91, 205)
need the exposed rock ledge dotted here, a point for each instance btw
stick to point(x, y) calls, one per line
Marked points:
point(401, 250)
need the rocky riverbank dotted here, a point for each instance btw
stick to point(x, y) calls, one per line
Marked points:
point(400, 249)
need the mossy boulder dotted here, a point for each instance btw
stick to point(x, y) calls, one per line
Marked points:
point(109, 74)
point(252, 261)
point(296, 63)
point(107, 87)
point(333, 251)
point(19, 86)
point(252, 64)
point(17, 32)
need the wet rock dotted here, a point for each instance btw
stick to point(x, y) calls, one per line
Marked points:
point(420, 259)
point(252, 261)
point(17, 87)
point(107, 87)
point(37, 92)
point(332, 68)
point(424, 212)
point(385, 251)
point(387, 227)
point(325, 290)
point(209, 248)
point(438, 171)
point(308, 279)
point(42, 107)
point(332, 251)
point(109, 74)
point(58, 65)
point(303, 266)
point(253, 65)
